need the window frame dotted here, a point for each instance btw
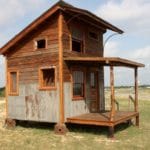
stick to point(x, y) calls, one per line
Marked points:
point(79, 41)
point(38, 39)
point(10, 92)
point(82, 40)
point(92, 37)
point(41, 87)
point(75, 97)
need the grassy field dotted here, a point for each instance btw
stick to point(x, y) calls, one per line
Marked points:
point(41, 136)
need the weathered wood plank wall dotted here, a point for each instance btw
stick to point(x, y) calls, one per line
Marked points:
point(32, 103)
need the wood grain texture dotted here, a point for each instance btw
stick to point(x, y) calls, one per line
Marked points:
point(6, 89)
point(102, 119)
point(27, 60)
point(112, 114)
point(61, 86)
point(136, 89)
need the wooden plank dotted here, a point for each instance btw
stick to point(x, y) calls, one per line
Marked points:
point(136, 89)
point(102, 119)
point(89, 122)
point(112, 93)
point(125, 118)
point(61, 89)
point(115, 61)
point(6, 89)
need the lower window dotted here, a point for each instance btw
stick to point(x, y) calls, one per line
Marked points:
point(13, 82)
point(47, 78)
point(78, 84)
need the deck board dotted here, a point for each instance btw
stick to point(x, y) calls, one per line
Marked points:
point(102, 119)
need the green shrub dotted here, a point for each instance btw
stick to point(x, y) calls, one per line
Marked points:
point(2, 92)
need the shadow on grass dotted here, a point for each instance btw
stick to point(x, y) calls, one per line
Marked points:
point(36, 125)
point(76, 128)
point(96, 130)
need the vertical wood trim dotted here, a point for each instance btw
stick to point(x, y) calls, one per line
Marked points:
point(70, 40)
point(136, 89)
point(17, 82)
point(98, 88)
point(6, 89)
point(84, 43)
point(112, 93)
point(101, 88)
point(61, 89)
point(9, 82)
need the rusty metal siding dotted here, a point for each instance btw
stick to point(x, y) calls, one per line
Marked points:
point(73, 108)
point(34, 105)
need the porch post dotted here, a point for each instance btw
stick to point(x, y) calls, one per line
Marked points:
point(136, 95)
point(136, 89)
point(112, 113)
point(60, 127)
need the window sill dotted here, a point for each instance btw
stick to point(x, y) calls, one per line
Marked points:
point(78, 98)
point(13, 94)
point(40, 49)
point(47, 88)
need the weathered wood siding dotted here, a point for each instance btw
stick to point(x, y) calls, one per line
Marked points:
point(78, 107)
point(91, 48)
point(32, 103)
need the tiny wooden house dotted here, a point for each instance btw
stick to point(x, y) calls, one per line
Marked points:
point(55, 69)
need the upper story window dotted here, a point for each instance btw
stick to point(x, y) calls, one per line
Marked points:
point(40, 43)
point(13, 82)
point(93, 35)
point(77, 40)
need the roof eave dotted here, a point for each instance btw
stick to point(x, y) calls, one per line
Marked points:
point(107, 61)
point(98, 19)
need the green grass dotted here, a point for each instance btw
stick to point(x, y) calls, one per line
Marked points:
point(41, 136)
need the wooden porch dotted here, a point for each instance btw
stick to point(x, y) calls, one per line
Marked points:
point(114, 116)
point(103, 118)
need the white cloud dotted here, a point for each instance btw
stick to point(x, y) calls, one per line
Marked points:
point(12, 9)
point(2, 75)
point(2, 59)
point(131, 15)
point(142, 53)
point(111, 49)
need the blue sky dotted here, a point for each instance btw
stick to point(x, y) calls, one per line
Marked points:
point(132, 16)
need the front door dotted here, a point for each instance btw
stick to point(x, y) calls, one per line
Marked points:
point(94, 91)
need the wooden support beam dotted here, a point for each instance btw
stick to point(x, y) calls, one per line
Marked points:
point(61, 89)
point(6, 89)
point(136, 89)
point(111, 132)
point(137, 122)
point(112, 114)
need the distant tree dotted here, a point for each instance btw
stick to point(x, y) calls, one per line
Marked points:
point(2, 92)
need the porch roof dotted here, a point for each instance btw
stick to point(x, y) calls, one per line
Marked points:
point(106, 61)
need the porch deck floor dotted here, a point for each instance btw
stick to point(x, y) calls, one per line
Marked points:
point(103, 119)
